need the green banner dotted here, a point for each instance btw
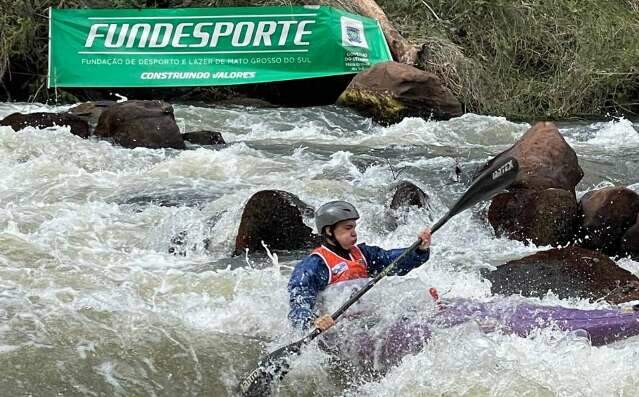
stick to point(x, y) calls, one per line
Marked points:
point(208, 46)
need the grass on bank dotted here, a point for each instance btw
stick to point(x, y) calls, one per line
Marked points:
point(530, 58)
point(522, 59)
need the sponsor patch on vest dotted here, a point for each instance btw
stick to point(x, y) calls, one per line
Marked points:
point(339, 268)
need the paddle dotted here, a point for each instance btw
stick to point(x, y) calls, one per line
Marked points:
point(274, 366)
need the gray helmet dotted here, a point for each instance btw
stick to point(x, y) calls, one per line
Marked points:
point(332, 212)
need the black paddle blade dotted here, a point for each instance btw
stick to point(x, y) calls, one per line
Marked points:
point(490, 182)
point(493, 180)
point(270, 368)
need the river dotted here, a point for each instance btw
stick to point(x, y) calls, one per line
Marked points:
point(92, 303)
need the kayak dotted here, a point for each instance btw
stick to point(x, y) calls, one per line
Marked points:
point(379, 346)
point(602, 326)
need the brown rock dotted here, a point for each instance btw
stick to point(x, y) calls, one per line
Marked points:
point(390, 91)
point(630, 241)
point(545, 217)
point(607, 214)
point(134, 124)
point(204, 137)
point(18, 121)
point(90, 111)
point(275, 217)
point(408, 194)
point(545, 160)
point(568, 272)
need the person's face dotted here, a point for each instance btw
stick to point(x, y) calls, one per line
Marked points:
point(345, 233)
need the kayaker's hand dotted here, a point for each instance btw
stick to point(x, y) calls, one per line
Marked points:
point(324, 322)
point(424, 235)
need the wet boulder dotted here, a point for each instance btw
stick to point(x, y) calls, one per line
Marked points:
point(406, 195)
point(275, 217)
point(132, 124)
point(607, 214)
point(545, 160)
point(18, 121)
point(568, 272)
point(630, 241)
point(390, 91)
point(195, 198)
point(545, 217)
point(204, 138)
point(90, 111)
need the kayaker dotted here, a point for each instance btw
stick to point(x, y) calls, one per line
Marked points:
point(341, 259)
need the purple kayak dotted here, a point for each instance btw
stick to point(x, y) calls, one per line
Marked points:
point(380, 347)
point(601, 325)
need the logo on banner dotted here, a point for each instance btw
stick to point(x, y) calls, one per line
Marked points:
point(353, 33)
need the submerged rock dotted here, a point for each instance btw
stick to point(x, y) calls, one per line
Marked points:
point(390, 91)
point(18, 121)
point(568, 272)
point(204, 137)
point(406, 195)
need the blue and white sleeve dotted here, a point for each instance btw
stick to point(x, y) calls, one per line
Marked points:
point(378, 258)
point(309, 277)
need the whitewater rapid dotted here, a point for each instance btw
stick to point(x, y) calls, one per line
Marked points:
point(93, 304)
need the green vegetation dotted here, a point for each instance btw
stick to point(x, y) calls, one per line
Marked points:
point(523, 59)
point(23, 48)
point(530, 58)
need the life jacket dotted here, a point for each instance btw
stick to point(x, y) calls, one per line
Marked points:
point(340, 269)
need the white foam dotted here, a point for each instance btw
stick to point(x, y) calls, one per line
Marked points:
point(616, 134)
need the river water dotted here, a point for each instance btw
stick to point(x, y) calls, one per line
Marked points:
point(92, 303)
